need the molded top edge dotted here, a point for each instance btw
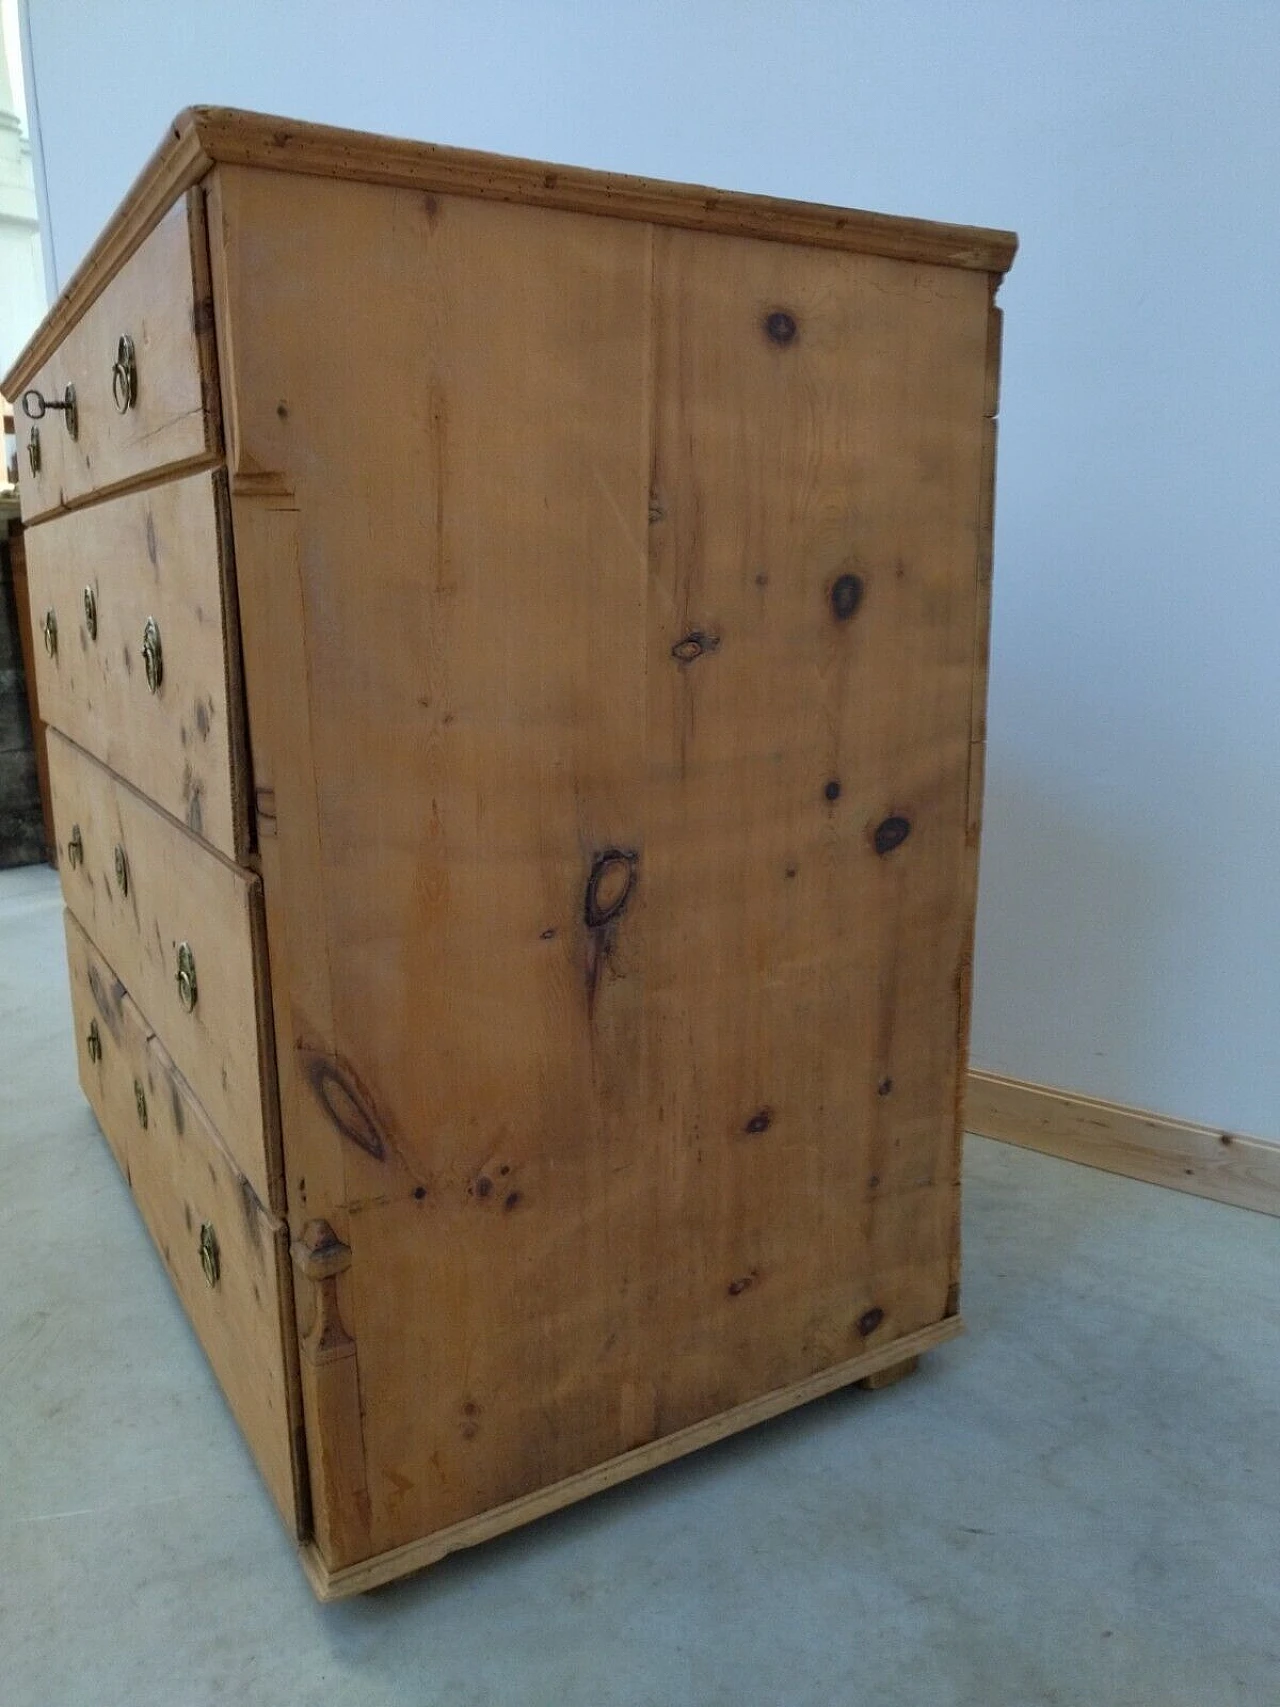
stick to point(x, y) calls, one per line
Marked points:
point(200, 137)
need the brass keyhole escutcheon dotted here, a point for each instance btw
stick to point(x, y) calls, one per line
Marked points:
point(33, 449)
point(124, 375)
point(152, 655)
point(91, 612)
point(122, 871)
point(210, 1255)
point(75, 847)
point(140, 1102)
point(188, 990)
point(49, 628)
point(93, 1041)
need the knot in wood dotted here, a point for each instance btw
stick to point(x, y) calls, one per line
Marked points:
point(891, 834)
point(609, 887)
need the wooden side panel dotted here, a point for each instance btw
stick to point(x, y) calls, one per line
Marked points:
point(817, 453)
point(862, 1371)
point(290, 853)
point(188, 1189)
point(176, 892)
point(157, 556)
point(620, 971)
point(161, 299)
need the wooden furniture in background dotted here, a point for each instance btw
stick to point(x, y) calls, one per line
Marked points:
point(26, 822)
point(517, 638)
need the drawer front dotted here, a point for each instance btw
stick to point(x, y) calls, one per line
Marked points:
point(159, 904)
point(227, 1258)
point(147, 405)
point(137, 655)
point(105, 1022)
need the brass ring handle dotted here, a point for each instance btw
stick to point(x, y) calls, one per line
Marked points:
point(210, 1255)
point(35, 406)
point(152, 655)
point(93, 1041)
point(124, 375)
point(91, 612)
point(122, 870)
point(188, 989)
point(33, 449)
point(49, 628)
point(75, 847)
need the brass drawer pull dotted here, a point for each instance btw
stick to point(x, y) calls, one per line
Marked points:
point(152, 655)
point(75, 847)
point(140, 1102)
point(49, 628)
point(35, 406)
point(122, 870)
point(33, 449)
point(91, 612)
point(93, 1041)
point(188, 990)
point(210, 1255)
point(124, 375)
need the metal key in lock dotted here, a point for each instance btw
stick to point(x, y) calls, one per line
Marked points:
point(35, 406)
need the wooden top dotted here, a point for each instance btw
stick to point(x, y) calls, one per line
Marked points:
point(202, 136)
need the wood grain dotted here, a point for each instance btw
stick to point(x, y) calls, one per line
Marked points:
point(605, 1177)
point(200, 135)
point(256, 139)
point(182, 1181)
point(177, 163)
point(178, 891)
point(109, 1036)
point(290, 854)
point(162, 555)
point(1229, 1167)
point(369, 1574)
point(612, 564)
point(161, 299)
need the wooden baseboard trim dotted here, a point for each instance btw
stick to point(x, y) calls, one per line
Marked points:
point(401, 1561)
point(1226, 1166)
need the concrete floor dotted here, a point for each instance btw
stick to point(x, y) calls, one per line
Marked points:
point(1078, 1503)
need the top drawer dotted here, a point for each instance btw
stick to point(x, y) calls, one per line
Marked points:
point(141, 363)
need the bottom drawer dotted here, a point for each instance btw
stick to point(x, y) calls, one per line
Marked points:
point(227, 1257)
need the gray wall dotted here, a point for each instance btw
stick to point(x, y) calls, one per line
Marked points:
point(1130, 920)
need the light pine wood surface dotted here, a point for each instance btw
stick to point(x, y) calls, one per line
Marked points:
point(1230, 1167)
point(178, 891)
point(159, 555)
point(184, 1181)
point(201, 136)
point(862, 1371)
point(161, 300)
point(649, 1167)
point(585, 643)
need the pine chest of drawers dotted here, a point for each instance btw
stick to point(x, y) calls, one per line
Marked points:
point(514, 641)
